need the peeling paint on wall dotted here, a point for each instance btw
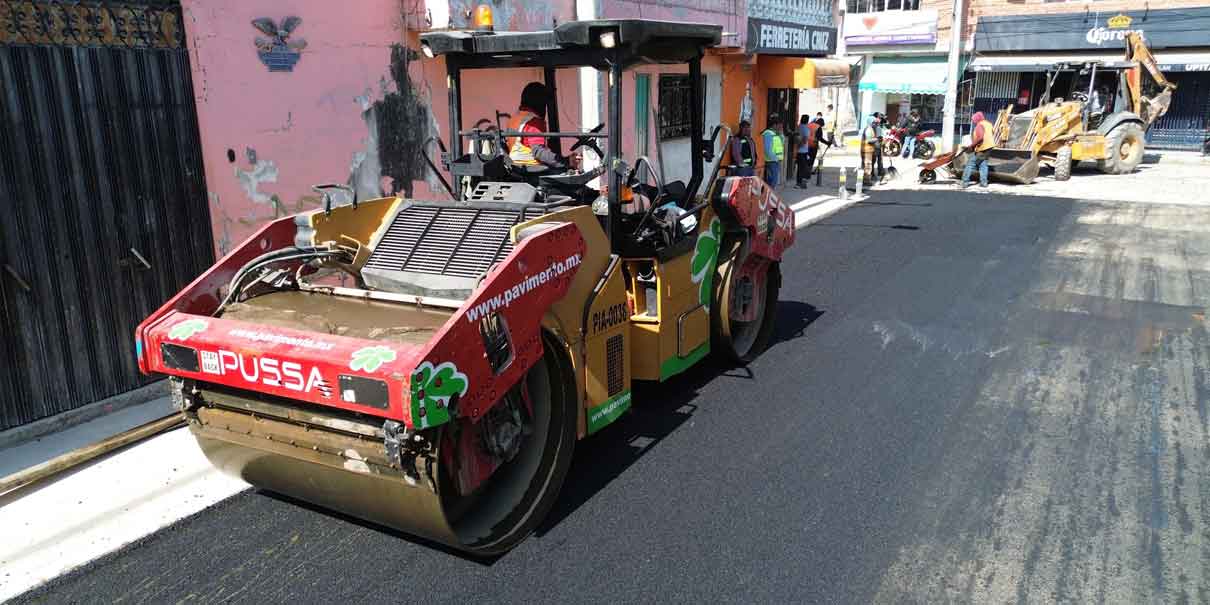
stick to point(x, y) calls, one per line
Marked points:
point(365, 171)
point(263, 171)
point(224, 221)
point(397, 125)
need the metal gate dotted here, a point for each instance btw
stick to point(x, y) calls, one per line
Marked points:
point(783, 103)
point(1184, 126)
point(102, 196)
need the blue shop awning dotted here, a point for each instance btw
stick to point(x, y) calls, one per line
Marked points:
point(920, 75)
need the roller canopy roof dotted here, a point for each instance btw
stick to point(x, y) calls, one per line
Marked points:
point(577, 43)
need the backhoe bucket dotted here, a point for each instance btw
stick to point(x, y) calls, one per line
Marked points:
point(1155, 107)
point(1013, 166)
point(1005, 165)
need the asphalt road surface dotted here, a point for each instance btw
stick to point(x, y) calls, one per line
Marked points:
point(972, 398)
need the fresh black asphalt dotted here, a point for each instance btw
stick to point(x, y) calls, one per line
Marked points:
point(971, 398)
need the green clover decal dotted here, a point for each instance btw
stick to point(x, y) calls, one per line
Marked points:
point(705, 257)
point(432, 390)
point(186, 329)
point(370, 359)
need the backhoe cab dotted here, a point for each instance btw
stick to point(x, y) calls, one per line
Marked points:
point(440, 386)
point(1095, 111)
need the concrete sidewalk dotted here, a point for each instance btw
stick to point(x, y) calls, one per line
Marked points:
point(65, 521)
point(1169, 177)
point(32, 452)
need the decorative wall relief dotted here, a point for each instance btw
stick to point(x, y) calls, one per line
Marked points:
point(276, 49)
point(109, 24)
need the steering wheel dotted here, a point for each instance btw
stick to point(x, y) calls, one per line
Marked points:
point(496, 139)
point(1079, 96)
point(590, 142)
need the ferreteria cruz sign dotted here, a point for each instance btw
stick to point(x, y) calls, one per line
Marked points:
point(1171, 28)
point(782, 38)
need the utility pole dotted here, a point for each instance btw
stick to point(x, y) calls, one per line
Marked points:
point(951, 80)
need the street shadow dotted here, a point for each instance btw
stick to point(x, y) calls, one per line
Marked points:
point(486, 561)
point(895, 227)
point(917, 204)
point(1151, 158)
point(793, 319)
point(659, 409)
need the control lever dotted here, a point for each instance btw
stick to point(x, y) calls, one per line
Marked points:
point(326, 190)
point(445, 162)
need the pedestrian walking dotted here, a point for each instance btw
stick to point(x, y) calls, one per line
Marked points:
point(804, 155)
point(982, 141)
point(775, 150)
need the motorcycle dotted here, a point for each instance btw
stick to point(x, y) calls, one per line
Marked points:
point(892, 143)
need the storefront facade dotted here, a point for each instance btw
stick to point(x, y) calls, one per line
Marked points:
point(784, 50)
point(904, 64)
point(1013, 56)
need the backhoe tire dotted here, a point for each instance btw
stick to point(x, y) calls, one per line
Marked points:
point(1063, 163)
point(1124, 144)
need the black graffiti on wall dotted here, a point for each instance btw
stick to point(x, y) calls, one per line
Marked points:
point(399, 123)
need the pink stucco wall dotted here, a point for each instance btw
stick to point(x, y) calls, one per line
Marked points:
point(322, 122)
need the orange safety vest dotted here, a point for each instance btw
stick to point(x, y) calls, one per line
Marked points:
point(989, 137)
point(812, 132)
point(520, 153)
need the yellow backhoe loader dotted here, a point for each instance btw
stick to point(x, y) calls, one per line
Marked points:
point(1104, 118)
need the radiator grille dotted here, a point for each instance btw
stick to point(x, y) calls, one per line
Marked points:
point(450, 240)
point(614, 360)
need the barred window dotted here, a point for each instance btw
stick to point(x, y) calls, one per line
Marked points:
point(675, 118)
point(874, 6)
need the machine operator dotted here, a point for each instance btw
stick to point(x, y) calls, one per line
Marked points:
point(533, 152)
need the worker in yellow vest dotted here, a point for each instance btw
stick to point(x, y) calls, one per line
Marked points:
point(982, 141)
point(775, 150)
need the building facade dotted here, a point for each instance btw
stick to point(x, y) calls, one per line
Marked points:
point(1014, 49)
point(358, 104)
point(903, 48)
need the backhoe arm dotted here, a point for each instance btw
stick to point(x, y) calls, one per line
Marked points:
point(1149, 108)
